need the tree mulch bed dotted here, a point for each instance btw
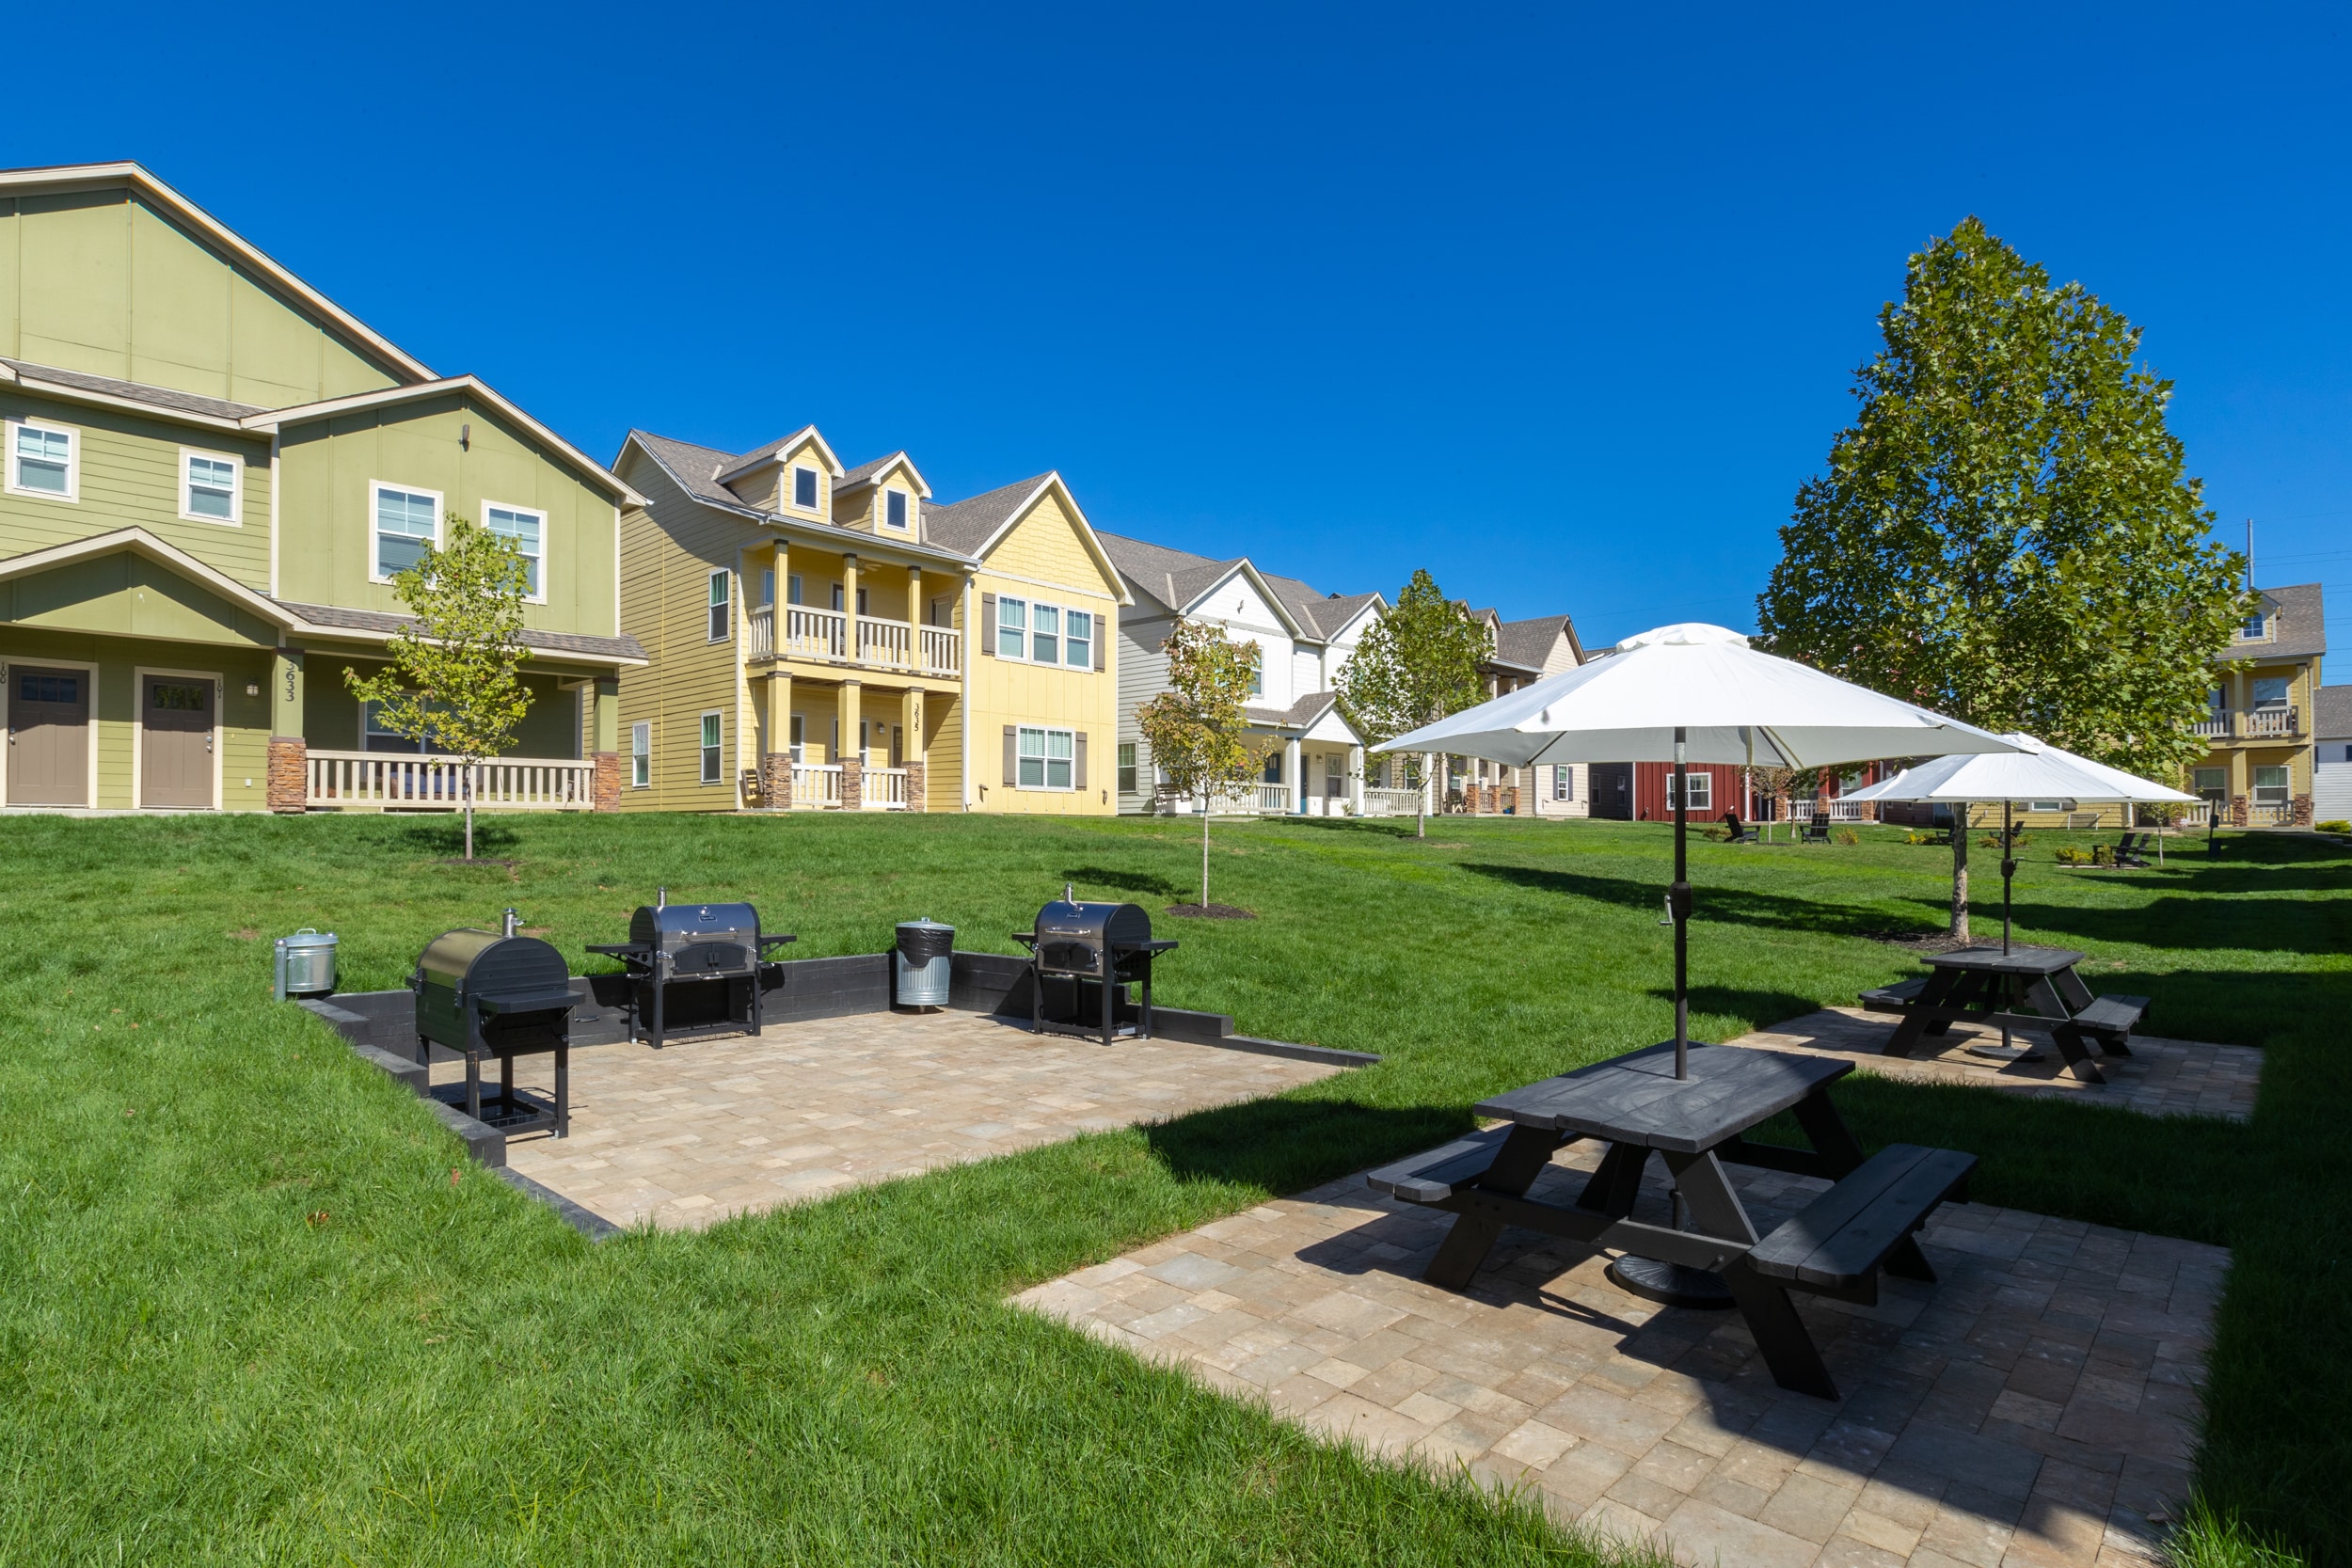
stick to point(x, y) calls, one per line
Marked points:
point(1209, 911)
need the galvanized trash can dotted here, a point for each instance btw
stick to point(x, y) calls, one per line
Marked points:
point(919, 967)
point(306, 964)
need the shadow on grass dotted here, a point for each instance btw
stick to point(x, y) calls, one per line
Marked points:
point(1739, 906)
point(1284, 1144)
point(1758, 1009)
point(445, 836)
point(1083, 876)
point(1383, 826)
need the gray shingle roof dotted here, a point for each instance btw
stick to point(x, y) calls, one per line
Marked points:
point(695, 469)
point(2301, 629)
point(139, 391)
point(2331, 713)
point(766, 449)
point(1529, 643)
point(1176, 578)
point(552, 642)
point(1297, 716)
point(868, 470)
point(970, 523)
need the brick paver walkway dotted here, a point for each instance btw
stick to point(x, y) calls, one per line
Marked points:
point(686, 1135)
point(2160, 1077)
point(2032, 1408)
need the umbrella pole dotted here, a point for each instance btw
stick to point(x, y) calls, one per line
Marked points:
point(1679, 899)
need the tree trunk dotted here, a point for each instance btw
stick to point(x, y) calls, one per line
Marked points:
point(1204, 848)
point(1960, 873)
point(469, 767)
point(1428, 782)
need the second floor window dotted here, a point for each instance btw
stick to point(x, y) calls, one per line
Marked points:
point(639, 756)
point(405, 522)
point(2254, 629)
point(525, 530)
point(2270, 691)
point(42, 461)
point(1012, 619)
point(209, 488)
point(804, 489)
point(722, 622)
point(1257, 677)
point(1044, 633)
point(895, 508)
point(1079, 640)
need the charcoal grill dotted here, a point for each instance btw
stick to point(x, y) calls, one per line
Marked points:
point(693, 969)
point(1090, 953)
point(483, 994)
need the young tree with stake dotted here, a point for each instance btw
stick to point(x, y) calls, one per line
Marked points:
point(452, 678)
point(1417, 664)
point(1195, 727)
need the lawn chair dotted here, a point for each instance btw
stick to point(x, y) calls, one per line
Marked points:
point(2131, 850)
point(1740, 834)
point(1817, 830)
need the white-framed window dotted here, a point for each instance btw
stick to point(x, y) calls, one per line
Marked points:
point(2212, 783)
point(800, 731)
point(1257, 676)
point(212, 487)
point(526, 529)
point(1044, 633)
point(712, 736)
point(373, 736)
point(768, 585)
point(721, 610)
point(1045, 757)
point(2270, 691)
point(1702, 791)
point(641, 756)
point(1126, 767)
point(2270, 787)
point(792, 589)
point(1037, 633)
point(2049, 806)
point(1077, 639)
point(44, 460)
point(804, 488)
point(1274, 768)
point(405, 521)
point(2256, 628)
point(1012, 619)
point(895, 509)
point(1562, 782)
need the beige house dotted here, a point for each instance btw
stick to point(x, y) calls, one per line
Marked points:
point(2259, 724)
point(1525, 652)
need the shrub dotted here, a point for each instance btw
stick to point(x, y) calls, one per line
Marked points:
point(2333, 826)
point(2068, 855)
point(1847, 835)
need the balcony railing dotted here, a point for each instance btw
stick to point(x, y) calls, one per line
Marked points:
point(1852, 811)
point(2264, 722)
point(881, 644)
point(1391, 803)
point(2270, 813)
point(396, 782)
point(817, 785)
point(2213, 726)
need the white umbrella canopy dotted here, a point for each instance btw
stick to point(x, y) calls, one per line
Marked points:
point(2033, 771)
point(1695, 692)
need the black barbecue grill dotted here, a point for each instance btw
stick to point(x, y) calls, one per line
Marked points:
point(1088, 953)
point(693, 969)
point(483, 994)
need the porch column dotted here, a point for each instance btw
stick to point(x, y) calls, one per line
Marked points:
point(914, 636)
point(775, 764)
point(780, 562)
point(911, 715)
point(604, 743)
point(1294, 775)
point(1356, 778)
point(852, 749)
point(850, 649)
point(288, 764)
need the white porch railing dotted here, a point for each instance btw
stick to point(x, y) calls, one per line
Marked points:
point(882, 789)
point(400, 782)
point(817, 784)
point(942, 651)
point(887, 643)
point(1852, 811)
point(814, 633)
point(1391, 803)
point(762, 632)
point(2214, 725)
point(1800, 811)
point(2270, 721)
point(880, 644)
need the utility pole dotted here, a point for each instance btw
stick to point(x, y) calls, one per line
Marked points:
point(2249, 553)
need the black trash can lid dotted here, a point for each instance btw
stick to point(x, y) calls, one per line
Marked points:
point(926, 923)
point(922, 940)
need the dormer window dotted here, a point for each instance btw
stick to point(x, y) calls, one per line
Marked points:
point(895, 508)
point(804, 488)
point(2255, 629)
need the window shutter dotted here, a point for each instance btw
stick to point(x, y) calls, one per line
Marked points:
point(988, 637)
point(1013, 753)
point(1078, 764)
point(1101, 637)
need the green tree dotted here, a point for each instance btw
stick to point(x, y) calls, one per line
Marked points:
point(452, 681)
point(1195, 727)
point(2006, 532)
point(1418, 663)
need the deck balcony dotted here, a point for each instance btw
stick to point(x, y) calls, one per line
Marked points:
point(892, 647)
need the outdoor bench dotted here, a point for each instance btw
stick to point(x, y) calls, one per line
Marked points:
point(1843, 1238)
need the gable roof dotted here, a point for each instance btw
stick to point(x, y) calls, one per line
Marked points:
point(2302, 624)
point(774, 450)
point(869, 472)
point(134, 177)
point(2331, 713)
point(1179, 580)
point(974, 524)
point(469, 386)
point(1529, 643)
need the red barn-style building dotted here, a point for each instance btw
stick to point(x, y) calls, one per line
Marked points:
point(1637, 791)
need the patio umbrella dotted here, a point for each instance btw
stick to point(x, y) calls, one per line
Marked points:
point(2034, 770)
point(1690, 693)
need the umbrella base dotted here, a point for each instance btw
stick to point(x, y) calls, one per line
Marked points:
point(1670, 1284)
point(2009, 1053)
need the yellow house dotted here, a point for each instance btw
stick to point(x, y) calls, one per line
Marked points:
point(2259, 726)
point(824, 638)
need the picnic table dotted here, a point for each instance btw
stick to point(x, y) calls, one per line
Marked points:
point(1985, 985)
point(1636, 1106)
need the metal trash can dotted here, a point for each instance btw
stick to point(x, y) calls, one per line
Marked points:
point(306, 964)
point(919, 967)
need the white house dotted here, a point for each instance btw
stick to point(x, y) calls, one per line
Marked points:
point(2331, 785)
point(1314, 763)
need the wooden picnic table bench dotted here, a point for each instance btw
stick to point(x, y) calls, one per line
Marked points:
point(1836, 1246)
point(1985, 985)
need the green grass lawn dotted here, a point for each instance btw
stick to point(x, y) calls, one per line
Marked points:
point(253, 1309)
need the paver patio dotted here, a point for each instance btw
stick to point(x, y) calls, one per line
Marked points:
point(2161, 1077)
point(704, 1129)
point(2034, 1407)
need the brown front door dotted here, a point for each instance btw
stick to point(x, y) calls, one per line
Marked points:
point(176, 745)
point(48, 736)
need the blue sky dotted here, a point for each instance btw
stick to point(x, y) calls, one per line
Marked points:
point(1563, 304)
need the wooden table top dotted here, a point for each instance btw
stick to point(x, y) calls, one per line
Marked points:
point(2017, 961)
point(1635, 1099)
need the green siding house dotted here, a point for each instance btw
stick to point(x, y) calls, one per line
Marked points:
point(210, 474)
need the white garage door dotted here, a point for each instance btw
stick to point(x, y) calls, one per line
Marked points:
point(2331, 789)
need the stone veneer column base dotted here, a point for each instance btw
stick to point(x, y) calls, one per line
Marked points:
point(917, 788)
point(852, 784)
point(2302, 811)
point(775, 781)
point(288, 773)
point(2237, 811)
point(605, 790)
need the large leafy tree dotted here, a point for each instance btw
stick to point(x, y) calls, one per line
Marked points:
point(452, 682)
point(1195, 728)
point(1418, 663)
point(2006, 532)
